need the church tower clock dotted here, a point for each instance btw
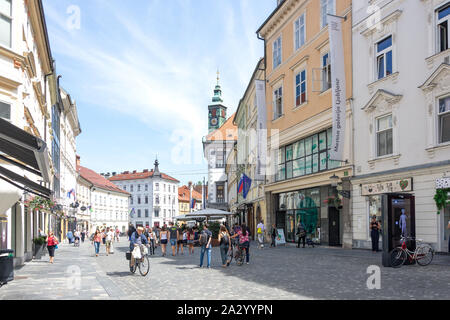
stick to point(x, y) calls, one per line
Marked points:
point(217, 112)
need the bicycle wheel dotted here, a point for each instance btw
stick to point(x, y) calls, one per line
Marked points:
point(424, 255)
point(398, 257)
point(133, 268)
point(144, 266)
point(240, 258)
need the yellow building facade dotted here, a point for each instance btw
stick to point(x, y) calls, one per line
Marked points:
point(299, 121)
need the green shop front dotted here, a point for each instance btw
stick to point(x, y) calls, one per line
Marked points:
point(304, 190)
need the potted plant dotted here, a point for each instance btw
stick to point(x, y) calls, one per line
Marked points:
point(39, 245)
point(333, 201)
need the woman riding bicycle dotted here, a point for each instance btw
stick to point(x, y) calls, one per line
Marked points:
point(137, 239)
point(243, 240)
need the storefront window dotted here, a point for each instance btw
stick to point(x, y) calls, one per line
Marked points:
point(375, 207)
point(283, 201)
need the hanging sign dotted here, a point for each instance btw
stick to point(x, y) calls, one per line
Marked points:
point(338, 86)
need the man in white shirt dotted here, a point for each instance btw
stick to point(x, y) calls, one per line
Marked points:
point(260, 230)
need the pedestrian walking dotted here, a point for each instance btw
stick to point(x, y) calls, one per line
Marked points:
point(225, 244)
point(96, 240)
point(109, 237)
point(163, 238)
point(52, 244)
point(117, 234)
point(205, 242)
point(131, 230)
point(184, 243)
point(260, 231)
point(180, 240)
point(151, 240)
point(375, 228)
point(190, 240)
point(173, 233)
point(83, 235)
point(301, 233)
point(273, 235)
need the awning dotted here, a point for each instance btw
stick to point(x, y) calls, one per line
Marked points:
point(209, 213)
point(27, 151)
point(9, 196)
point(23, 183)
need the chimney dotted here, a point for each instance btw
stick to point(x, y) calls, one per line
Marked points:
point(145, 170)
point(78, 161)
point(126, 172)
point(114, 174)
point(134, 171)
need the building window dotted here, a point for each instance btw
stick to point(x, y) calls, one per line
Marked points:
point(164, 199)
point(326, 72)
point(139, 213)
point(443, 21)
point(139, 187)
point(220, 193)
point(384, 136)
point(125, 188)
point(300, 88)
point(131, 200)
point(146, 213)
point(5, 22)
point(146, 199)
point(156, 213)
point(278, 103)
point(157, 199)
point(326, 7)
point(444, 119)
point(220, 159)
point(277, 52)
point(146, 187)
point(299, 30)
point(5, 110)
point(164, 213)
point(156, 186)
point(306, 156)
point(139, 199)
point(131, 188)
point(384, 57)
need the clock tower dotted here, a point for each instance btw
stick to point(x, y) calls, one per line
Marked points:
point(217, 112)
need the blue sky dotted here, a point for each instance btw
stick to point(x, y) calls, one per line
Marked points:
point(142, 73)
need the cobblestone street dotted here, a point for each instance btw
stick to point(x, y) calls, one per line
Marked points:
point(281, 273)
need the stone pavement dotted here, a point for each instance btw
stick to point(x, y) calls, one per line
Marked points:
point(281, 273)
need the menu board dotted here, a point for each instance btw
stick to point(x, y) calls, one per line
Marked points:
point(280, 239)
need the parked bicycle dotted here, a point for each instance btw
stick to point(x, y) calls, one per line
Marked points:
point(143, 263)
point(423, 254)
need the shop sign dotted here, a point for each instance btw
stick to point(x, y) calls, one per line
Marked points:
point(404, 185)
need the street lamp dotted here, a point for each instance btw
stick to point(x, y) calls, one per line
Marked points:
point(334, 180)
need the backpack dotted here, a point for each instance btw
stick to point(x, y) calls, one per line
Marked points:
point(203, 238)
point(259, 231)
point(225, 239)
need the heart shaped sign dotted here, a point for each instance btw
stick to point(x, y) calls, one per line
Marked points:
point(404, 184)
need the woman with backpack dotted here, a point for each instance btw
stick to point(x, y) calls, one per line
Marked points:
point(225, 244)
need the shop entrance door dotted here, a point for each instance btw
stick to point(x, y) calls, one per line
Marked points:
point(399, 218)
point(333, 227)
point(280, 220)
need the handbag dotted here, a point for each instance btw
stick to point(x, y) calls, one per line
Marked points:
point(56, 246)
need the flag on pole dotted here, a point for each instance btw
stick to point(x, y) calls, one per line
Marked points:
point(244, 185)
point(70, 193)
point(193, 203)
